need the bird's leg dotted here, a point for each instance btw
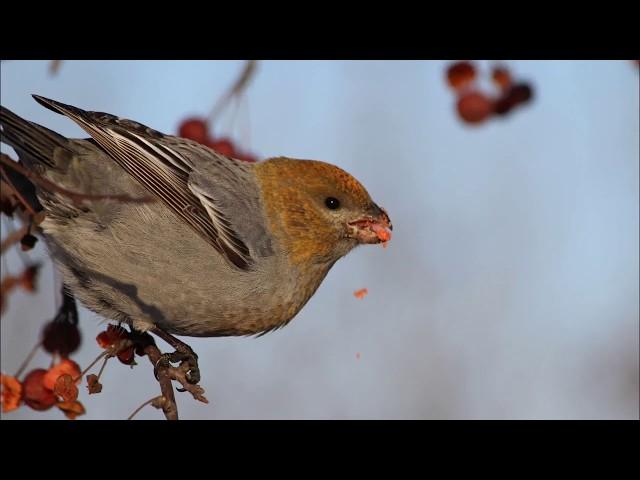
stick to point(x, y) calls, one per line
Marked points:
point(183, 353)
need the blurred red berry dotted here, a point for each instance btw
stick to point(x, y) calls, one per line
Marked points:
point(194, 129)
point(474, 107)
point(501, 77)
point(126, 356)
point(223, 146)
point(111, 335)
point(520, 93)
point(503, 105)
point(460, 74)
point(245, 157)
point(35, 394)
point(61, 337)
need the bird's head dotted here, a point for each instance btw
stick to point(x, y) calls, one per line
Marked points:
point(317, 211)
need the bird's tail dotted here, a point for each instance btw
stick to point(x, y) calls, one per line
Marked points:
point(34, 143)
point(35, 146)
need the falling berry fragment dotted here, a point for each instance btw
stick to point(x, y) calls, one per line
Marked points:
point(474, 107)
point(360, 294)
point(461, 74)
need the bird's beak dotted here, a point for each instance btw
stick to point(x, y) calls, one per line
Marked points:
point(372, 228)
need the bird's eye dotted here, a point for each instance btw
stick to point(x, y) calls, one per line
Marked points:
point(332, 203)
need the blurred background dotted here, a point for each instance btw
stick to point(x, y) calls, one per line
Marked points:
point(509, 289)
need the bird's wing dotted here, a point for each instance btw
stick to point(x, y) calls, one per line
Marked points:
point(164, 164)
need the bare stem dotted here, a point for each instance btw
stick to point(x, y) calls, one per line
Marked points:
point(236, 88)
point(148, 402)
point(34, 350)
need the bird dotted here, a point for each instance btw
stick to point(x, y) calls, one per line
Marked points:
point(223, 247)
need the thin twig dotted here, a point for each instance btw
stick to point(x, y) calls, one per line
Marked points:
point(148, 402)
point(74, 196)
point(28, 359)
point(104, 364)
point(169, 408)
point(106, 352)
point(237, 87)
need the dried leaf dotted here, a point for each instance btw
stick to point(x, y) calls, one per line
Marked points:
point(360, 294)
point(93, 385)
point(65, 388)
point(71, 409)
point(11, 395)
point(66, 366)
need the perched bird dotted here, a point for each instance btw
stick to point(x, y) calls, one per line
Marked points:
point(227, 248)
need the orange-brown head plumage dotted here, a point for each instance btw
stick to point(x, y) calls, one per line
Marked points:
point(312, 208)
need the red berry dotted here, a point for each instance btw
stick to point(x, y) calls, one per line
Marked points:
point(35, 394)
point(474, 107)
point(461, 74)
point(61, 337)
point(194, 129)
point(126, 355)
point(520, 93)
point(501, 77)
point(224, 146)
point(245, 157)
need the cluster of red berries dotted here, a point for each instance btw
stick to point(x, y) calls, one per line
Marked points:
point(196, 129)
point(42, 389)
point(475, 106)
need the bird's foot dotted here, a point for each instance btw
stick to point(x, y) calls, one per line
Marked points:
point(183, 354)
